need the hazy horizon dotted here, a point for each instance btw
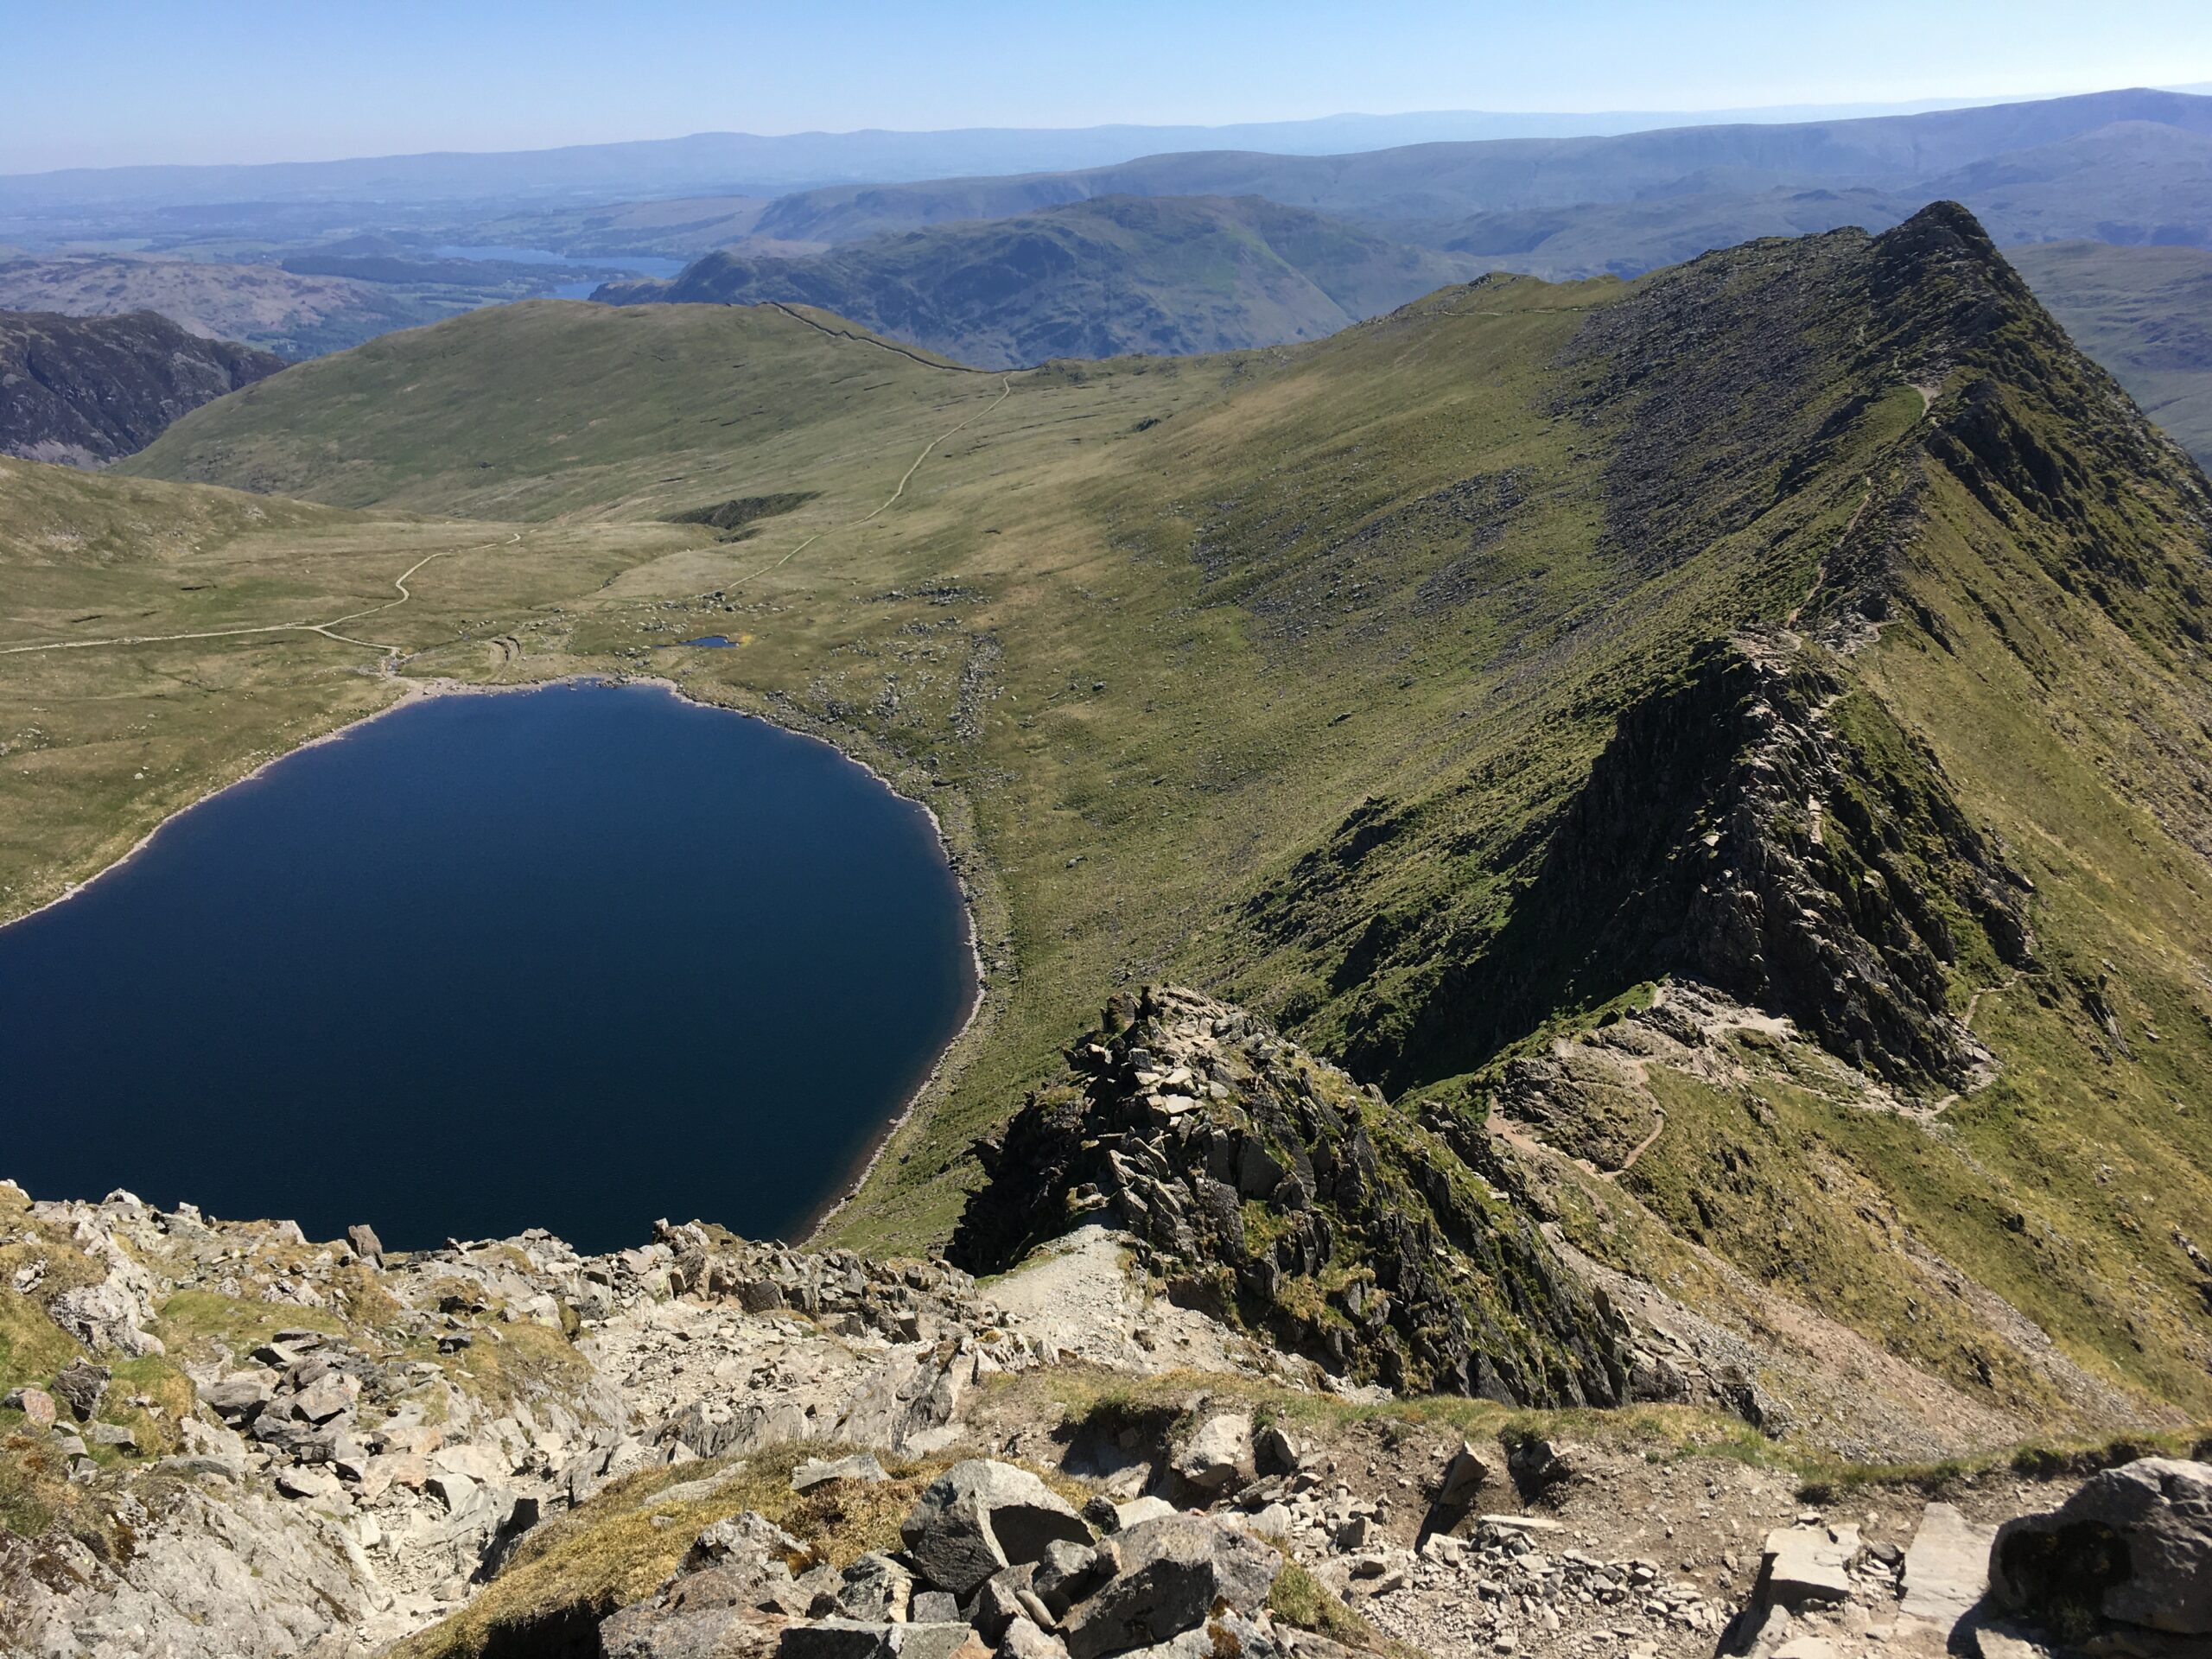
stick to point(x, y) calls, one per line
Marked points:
point(349, 82)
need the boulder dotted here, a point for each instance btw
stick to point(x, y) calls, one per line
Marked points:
point(1138, 1511)
point(237, 1397)
point(980, 1516)
point(35, 1404)
point(1067, 1574)
point(365, 1243)
point(82, 1386)
point(1273, 1452)
point(746, 1541)
point(307, 1483)
point(1172, 1573)
point(327, 1397)
point(1808, 1567)
point(933, 1607)
point(876, 1590)
point(1218, 1454)
point(1464, 1475)
point(103, 1316)
point(2133, 1545)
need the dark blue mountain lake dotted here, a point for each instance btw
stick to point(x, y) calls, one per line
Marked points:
point(573, 958)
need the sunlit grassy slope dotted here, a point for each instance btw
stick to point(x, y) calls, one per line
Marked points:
point(1278, 671)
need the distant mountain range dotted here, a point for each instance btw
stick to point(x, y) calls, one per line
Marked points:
point(2132, 163)
point(738, 163)
point(1098, 278)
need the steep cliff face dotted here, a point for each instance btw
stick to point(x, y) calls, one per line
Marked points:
point(86, 390)
point(1268, 1185)
point(1756, 826)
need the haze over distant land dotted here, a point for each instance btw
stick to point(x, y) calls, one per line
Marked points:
point(770, 164)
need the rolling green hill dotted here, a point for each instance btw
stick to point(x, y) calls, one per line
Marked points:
point(1098, 278)
point(1725, 751)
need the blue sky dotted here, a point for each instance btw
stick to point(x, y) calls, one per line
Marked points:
point(108, 82)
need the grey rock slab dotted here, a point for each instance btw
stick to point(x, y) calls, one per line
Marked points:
point(980, 1515)
point(1808, 1567)
point(1529, 1523)
point(308, 1483)
point(1023, 1640)
point(1172, 1573)
point(1946, 1566)
point(2135, 1542)
point(933, 1607)
point(239, 1396)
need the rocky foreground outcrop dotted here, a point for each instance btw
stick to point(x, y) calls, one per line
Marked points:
point(1270, 1188)
point(235, 1440)
point(86, 390)
point(325, 1446)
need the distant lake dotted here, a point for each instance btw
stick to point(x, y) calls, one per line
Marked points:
point(638, 264)
point(572, 958)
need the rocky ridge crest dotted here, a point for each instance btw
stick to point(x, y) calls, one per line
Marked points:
point(1266, 1186)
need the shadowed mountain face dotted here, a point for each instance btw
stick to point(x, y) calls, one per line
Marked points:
point(89, 390)
point(1093, 279)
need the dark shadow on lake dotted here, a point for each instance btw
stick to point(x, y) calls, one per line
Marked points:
point(572, 958)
